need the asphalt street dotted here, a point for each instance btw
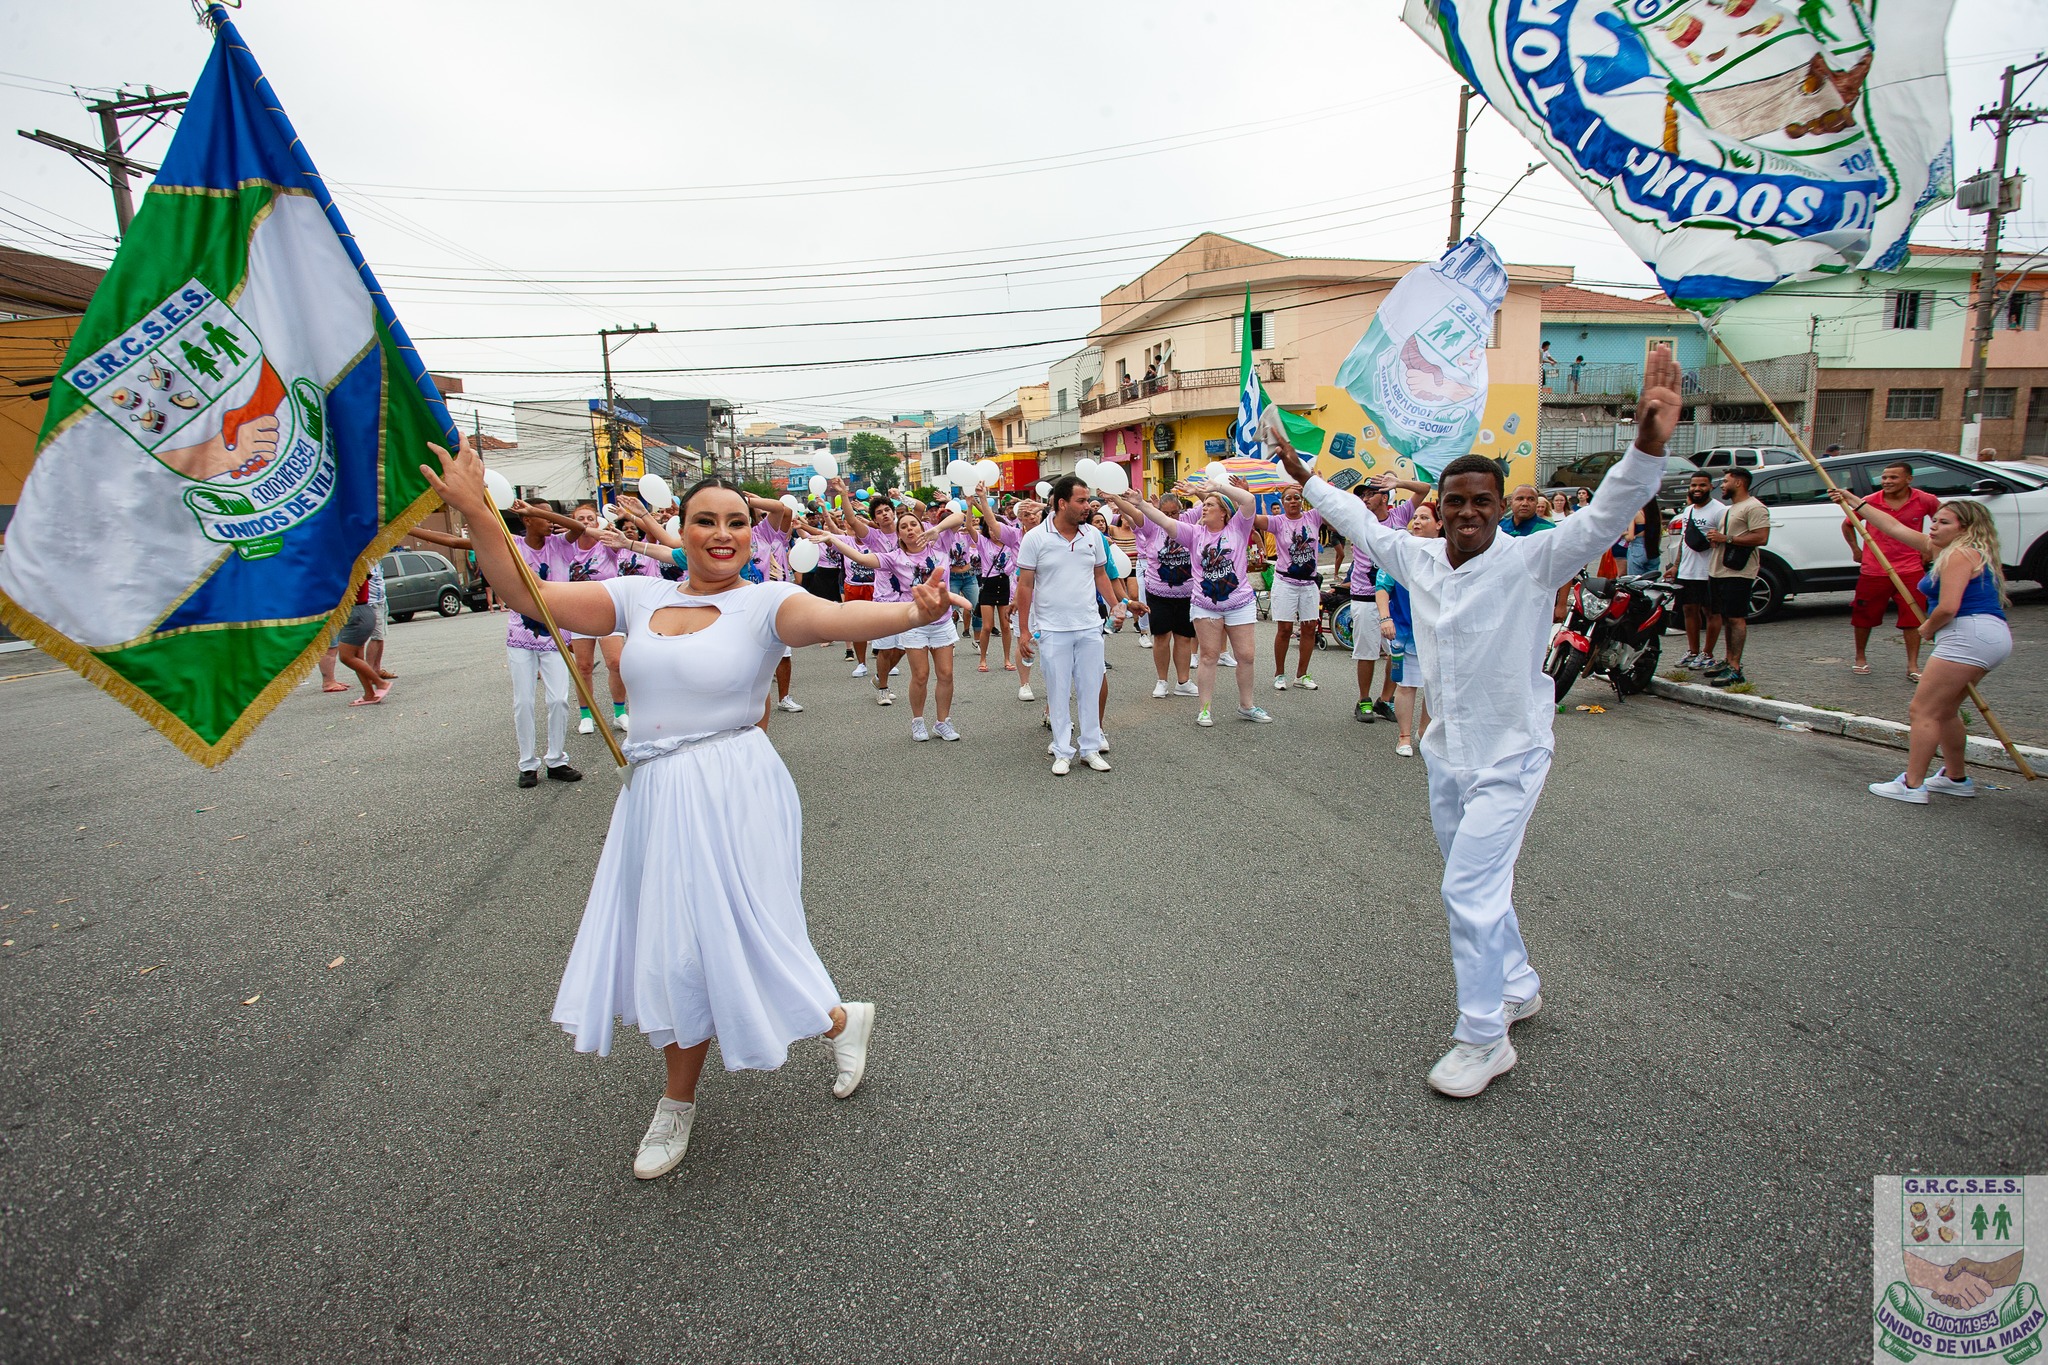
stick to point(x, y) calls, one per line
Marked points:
point(1147, 1083)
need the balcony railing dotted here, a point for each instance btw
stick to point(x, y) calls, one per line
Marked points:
point(1173, 381)
point(1782, 377)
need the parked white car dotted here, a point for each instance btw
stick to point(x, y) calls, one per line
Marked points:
point(1806, 551)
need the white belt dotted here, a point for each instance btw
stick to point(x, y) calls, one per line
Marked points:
point(643, 752)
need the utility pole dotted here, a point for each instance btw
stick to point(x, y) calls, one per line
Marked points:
point(110, 161)
point(2004, 118)
point(614, 468)
point(1458, 170)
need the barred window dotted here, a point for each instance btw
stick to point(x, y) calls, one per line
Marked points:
point(1997, 403)
point(2022, 311)
point(1909, 309)
point(1913, 405)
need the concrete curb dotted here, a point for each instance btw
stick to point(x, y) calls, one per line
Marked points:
point(1983, 751)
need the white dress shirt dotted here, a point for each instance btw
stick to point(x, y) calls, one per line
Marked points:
point(1063, 576)
point(1481, 629)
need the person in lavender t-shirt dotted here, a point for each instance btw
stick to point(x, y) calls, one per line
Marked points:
point(914, 557)
point(1366, 643)
point(996, 543)
point(1297, 596)
point(1219, 541)
point(1168, 572)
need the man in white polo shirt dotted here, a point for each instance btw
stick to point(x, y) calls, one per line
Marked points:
point(1061, 566)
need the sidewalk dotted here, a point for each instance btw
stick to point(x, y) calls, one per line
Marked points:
point(1804, 657)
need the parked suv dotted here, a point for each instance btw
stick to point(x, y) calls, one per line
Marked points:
point(420, 580)
point(1806, 551)
point(1748, 457)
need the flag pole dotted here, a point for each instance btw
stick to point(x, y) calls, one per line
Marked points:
point(1906, 599)
point(547, 618)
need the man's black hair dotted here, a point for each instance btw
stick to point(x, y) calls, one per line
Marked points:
point(1474, 464)
point(1699, 474)
point(1741, 473)
point(1906, 465)
point(1063, 489)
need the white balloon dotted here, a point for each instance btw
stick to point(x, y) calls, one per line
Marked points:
point(1084, 469)
point(958, 470)
point(1044, 489)
point(675, 526)
point(792, 502)
point(803, 556)
point(500, 489)
point(991, 473)
point(1217, 474)
point(818, 485)
point(1110, 478)
point(957, 505)
point(654, 491)
point(826, 465)
point(1119, 563)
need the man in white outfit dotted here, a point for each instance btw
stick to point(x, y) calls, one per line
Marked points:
point(1061, 566)
point(1482, 613)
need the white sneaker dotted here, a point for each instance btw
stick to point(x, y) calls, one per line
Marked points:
point(1897, 790)
point(1186, 689)
point(917, 730)
point(944, 730)
point(668, 1137)
point(885, 698)
point(850, 1048)
point(586, 726)
point(1280, 683)
point(1159, 688)
point(1306, 683)
point(1404, 750)
point(1052, 748)
point(1466, 1069)
point(1939, 781)
point(1024, 693)
point(1096, 761)
point(1514, 1012)
point(1226, 660)
point(860, 670)
point(788, 704)
point(1144, 641)
point(1202, 719)
point(1255, 713)
point(1060, 767)
point(894, 671)
point(621, 721)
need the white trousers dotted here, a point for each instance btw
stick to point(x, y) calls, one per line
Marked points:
point(1480, 816)
point(546, 666)
point(1072, 662)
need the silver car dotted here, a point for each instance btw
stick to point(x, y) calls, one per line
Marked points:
point(420, 580)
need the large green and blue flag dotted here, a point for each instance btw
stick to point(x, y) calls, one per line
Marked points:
point(234, 439)
point(1254, 404)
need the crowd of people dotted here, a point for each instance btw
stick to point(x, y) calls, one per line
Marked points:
point(695, 929)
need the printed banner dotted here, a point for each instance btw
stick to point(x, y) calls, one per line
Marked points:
point(1949, 1255)
point(1419, 372)
point(1734, 144)
point(234, 439)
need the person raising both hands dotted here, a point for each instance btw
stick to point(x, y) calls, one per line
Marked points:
point(1481, 604)
point(694, 928)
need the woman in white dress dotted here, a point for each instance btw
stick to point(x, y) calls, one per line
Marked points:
point(695, 928)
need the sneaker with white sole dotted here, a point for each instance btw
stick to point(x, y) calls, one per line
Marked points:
point(788, 704)
point(586, 726)
point(1280, 683)
point(1025, 693)
point(1306, 683)
point(860, 670)
point(1938, 781)
point(885, 698)
point(1226, 660)
point(1513, 1012)
point(1467, 1068)
point(1203, 718)
point(850, 1048)
point(1096, 761)
point(668, 1137)
point(1144, 641)
point(1258, 714)
point(917, 731)
point(944, 730)
point(1186, 689)
point(1159, 688)
point(894, 671)
point(1060, 767)
point(621, 722)
point(1404, 750)
point(1897, 790)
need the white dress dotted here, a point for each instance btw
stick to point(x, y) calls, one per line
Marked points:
point(695, 924)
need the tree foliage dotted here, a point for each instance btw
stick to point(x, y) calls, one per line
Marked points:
point(870, 458)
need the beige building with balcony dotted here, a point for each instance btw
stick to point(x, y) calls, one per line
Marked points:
point(1170, 355)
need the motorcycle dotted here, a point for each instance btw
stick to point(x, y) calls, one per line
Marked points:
point(1612, 627)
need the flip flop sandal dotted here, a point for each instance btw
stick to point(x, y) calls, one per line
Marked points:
point(337, 687)
point(1912, 677)
point(367, 701)
point(1860, 670)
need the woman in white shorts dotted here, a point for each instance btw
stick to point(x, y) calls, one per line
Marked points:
point(1223, 605)
point(1965, 591)
point(928, 649)
point(1297, 595)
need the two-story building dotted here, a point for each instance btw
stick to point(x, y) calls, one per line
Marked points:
point(1056, 437)
point(1171, 343)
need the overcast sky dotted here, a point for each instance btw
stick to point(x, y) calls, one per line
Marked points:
point(514, 167)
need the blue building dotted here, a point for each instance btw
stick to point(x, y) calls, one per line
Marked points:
point(1605, 337)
